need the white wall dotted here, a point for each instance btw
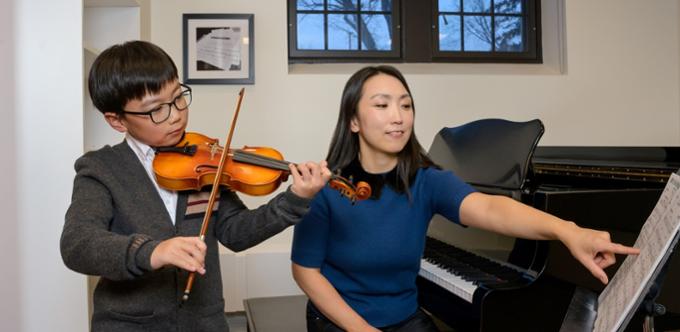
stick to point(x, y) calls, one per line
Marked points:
point(621, 77)
point(42, 135)
point(10, 292)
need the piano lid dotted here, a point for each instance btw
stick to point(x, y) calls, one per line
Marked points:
point(493, 153)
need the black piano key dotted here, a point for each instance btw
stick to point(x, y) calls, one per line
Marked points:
point(471, 267)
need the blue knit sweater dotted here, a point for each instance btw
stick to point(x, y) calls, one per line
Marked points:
point(371, 251)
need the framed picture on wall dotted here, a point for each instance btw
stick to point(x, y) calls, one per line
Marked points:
point(218, 49)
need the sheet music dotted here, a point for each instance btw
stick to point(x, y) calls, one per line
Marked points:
point(655, 238)
point(221, 48)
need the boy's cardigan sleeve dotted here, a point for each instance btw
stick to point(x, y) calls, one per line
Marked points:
point(87, 244)
point(239, 228)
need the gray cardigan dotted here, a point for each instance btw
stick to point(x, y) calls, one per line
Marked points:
point(116, 219)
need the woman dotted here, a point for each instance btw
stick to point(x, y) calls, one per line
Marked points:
point(358, 264)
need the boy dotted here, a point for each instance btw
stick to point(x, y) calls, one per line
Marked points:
point(142, 239)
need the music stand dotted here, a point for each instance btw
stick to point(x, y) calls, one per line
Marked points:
point(648, 304)
point(584, 308)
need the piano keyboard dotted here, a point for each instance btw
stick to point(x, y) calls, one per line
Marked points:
point(447, 280)
point(462, 272)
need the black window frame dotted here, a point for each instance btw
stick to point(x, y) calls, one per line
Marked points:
point(296, 55)
point(411, 20)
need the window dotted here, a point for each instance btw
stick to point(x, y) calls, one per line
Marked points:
point(414, 30)
point(341, 29)
point(491, 30)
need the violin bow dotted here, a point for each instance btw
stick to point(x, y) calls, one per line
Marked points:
point(213, 192)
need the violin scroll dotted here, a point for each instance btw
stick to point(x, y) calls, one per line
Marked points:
point(363, 190)
point(359, 192)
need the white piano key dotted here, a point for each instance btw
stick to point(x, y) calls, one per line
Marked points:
point(447, 280)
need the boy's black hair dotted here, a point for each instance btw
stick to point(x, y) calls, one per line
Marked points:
point(128, 71)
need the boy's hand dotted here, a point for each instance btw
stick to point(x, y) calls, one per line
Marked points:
point(309, 178)
point(184, 252)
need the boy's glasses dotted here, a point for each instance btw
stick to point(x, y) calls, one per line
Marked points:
point(162, 112)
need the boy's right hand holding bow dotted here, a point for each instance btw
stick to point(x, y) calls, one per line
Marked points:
point(184, 252)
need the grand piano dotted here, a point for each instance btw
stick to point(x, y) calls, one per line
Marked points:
point(474, 280)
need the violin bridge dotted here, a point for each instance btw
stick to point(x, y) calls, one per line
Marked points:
point(213, 150)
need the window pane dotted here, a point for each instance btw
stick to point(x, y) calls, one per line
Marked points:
point(342, 32)
point(477, 33)
point(310, 31)
point(509, 34)
point(476, 6)
point(376, 5)
point(449, 33)
point(376, 33)
point(508, 6)
point(449, 5)
point(310, 4)
point(343, 5)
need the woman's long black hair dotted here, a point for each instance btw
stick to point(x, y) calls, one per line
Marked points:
point(344, 147)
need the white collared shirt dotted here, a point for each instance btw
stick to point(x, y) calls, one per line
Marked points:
point(146, 154)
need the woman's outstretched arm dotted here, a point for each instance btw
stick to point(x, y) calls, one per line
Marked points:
point(504, 215)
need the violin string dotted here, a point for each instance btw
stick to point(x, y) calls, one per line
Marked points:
point(260, 160)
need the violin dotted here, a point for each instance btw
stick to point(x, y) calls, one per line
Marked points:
point(192, 164)
point(198, 160)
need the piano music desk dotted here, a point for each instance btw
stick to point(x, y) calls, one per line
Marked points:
point(276, 314)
